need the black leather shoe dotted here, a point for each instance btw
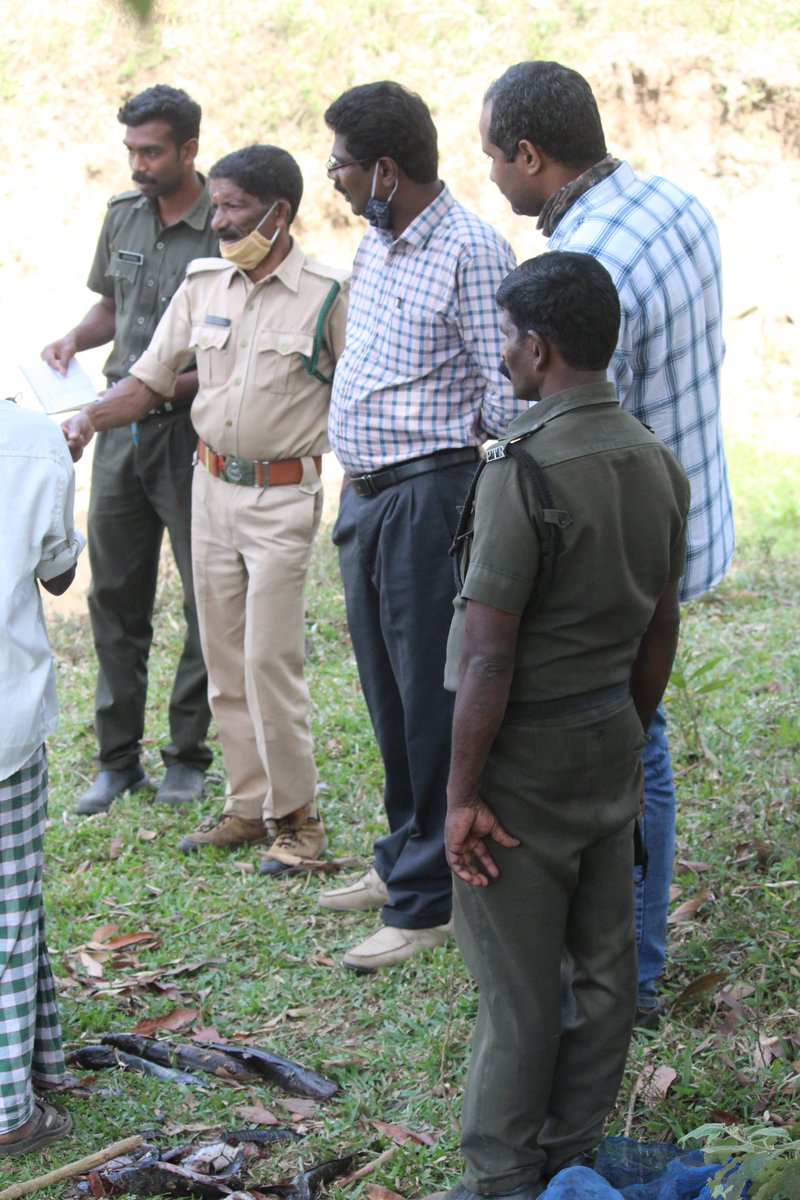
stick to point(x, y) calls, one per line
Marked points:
point(180, 785)
point(108, 785)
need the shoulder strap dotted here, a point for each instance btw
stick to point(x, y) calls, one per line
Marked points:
point(310, 363)
point(553, 519)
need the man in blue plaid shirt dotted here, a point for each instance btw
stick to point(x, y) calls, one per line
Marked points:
point(541, 129)
point(416, 392)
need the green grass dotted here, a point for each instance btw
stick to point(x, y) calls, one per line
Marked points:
point(260, 958)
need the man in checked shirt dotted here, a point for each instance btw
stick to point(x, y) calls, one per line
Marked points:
point(416, 391)
point(541, 128)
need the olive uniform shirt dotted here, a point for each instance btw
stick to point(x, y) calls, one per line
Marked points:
point(623, 498)
point(140, 263)
point(256, 398)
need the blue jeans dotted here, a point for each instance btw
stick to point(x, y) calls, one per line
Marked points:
point(651, 896)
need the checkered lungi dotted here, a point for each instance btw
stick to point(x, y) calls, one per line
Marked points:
point(30, 1030)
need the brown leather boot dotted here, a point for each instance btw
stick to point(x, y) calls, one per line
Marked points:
point(300, 837)
point(226, 832)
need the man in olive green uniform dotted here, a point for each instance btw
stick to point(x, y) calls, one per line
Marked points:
point(266, 327)
point(561, 646)
point(141, 475)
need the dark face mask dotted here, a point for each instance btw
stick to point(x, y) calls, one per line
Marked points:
point(379, 212)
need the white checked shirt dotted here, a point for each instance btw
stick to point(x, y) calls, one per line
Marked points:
point(660, 246)
point(420, 368)
point(37, 486)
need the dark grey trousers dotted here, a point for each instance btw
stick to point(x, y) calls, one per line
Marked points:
point(539, 1087)
point(399, 588)
point(137, 492)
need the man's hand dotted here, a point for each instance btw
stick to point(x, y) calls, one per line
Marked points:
point(78, 431)
point(468, 823)
point(59, 354)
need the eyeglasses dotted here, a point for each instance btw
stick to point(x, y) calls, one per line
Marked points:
point(333, 165)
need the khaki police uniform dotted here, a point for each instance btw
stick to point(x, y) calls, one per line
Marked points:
point(258, 404)
point(563, 776)
point(141, 484)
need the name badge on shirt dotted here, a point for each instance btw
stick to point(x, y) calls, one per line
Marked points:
point(209, 320)
point(130, 256)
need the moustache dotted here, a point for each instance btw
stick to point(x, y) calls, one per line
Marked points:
point(504, 371)
point(337, 187)
point(138, 177)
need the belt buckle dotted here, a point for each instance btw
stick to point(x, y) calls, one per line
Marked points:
point(366, 485)
point(232, 471)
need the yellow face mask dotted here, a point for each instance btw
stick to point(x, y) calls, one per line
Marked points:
point(248, 252)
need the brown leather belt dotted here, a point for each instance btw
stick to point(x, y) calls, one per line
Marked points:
point(251, 472)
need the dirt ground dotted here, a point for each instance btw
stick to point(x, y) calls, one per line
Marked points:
point(721, 131)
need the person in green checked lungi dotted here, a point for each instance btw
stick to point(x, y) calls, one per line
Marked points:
point(37, 542)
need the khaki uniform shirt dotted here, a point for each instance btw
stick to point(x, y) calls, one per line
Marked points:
point(140, 264)
point(625, 499)
point(256, 398)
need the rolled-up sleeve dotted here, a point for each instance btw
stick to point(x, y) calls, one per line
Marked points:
point(62, 543)
point(168, 353)
point(479, 276)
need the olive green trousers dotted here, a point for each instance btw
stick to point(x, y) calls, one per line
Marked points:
point(546, 1067)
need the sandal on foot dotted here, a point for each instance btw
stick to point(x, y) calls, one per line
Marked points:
point(52, 1122)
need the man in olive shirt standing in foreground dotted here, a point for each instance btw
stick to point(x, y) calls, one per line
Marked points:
point(141, 474)
point(561, 646)
point(266, 327)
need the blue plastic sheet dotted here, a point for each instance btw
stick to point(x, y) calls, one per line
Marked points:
point(628, 1170)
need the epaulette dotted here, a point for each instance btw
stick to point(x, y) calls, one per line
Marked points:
point(134, 194)
point(338, 274)
point(198, 265)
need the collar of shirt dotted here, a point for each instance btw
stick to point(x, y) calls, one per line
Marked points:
point(423, 225)
point(288, 270)
point(588, 395)
point(195, 218)
point(613, 185)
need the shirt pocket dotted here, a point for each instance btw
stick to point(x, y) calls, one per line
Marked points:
point(123, 275)
point(209, 344)
point(279, 366)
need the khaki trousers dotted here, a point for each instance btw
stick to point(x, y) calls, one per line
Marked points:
point(250, 549)
point(541, 1079)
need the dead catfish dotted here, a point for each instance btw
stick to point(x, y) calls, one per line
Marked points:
point(94, 1058)
point(208, 1172)
point(291, 1076)
point(182, 1056)
point(306, 1185)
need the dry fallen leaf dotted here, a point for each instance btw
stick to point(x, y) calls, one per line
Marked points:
point(656, 1086)
point(207, 1033)
point(301, 1107)
point(147, 835)
point(176, 1018)
point(256, 1113)
point(115, 848)
point(703, 983)
point(103, 932)
point(688, 910)
point(376, 1192)
point(93, 968)
point(401, 1133)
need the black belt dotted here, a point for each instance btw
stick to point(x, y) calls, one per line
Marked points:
point(440, 460)
point(170, 409)
point(166, 409)
point(522, 709)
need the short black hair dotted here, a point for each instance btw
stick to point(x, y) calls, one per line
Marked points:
point(264, 171)
point(571, 300)
point(386, 120)
point(551, 106)
point(164, 103)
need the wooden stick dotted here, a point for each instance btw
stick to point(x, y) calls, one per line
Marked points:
point(359, 1174)
point(74, 1168)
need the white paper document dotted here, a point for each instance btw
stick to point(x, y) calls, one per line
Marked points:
point(59, 393)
